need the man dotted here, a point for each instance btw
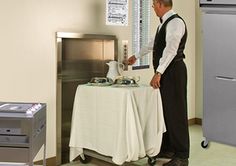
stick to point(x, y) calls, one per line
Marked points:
point(171, 77)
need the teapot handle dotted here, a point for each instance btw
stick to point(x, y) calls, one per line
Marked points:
point(122, 66)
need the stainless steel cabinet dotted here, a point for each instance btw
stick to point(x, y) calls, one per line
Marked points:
point(219, 62)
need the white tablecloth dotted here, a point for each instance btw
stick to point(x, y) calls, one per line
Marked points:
point(124, 123)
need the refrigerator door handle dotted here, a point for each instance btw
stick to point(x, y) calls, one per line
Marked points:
point(226, 78)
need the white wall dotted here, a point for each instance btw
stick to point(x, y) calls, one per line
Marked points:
point(186, 9)
point(28, 48)
point(199, 64)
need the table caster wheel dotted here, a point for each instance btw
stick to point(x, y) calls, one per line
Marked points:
point(204, 144)
point(151, 161)
point(85, 159)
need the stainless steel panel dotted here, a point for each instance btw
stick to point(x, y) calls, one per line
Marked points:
point(14, 127)
point(220, 110)
point(76, 35)
point(38, 142)
point(80, 57)
point(219, 61)
point(219, 39)
point(20, 154)
point(13, 139)
point(22, 131)
point(218, 2)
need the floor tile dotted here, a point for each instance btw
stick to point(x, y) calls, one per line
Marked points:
point(215, 155)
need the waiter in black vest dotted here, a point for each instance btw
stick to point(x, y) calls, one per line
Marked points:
point(171, 77)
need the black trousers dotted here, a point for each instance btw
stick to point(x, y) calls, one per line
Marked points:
point(174, 99)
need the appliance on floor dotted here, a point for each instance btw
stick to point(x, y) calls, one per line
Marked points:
point(22, 132)
point(80, 57)
point(219, 70)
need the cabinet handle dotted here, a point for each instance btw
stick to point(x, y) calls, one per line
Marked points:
point(225, 78)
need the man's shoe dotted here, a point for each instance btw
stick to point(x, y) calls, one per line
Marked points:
point(166, 155)
point(177, 162)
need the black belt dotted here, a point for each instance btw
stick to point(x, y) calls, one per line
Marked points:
point(174, 61)
point(178, 59)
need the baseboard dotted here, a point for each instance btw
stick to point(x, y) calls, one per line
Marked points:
point(191, 121)
point(49, 162)
point(198, 121)
point(195, 121)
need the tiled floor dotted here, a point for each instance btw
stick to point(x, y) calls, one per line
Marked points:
point(11, 164)
point(215, 155)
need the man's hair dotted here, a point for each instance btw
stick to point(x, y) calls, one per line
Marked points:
point(166, 2)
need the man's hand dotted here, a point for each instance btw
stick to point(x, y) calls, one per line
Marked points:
point(131, 60)
point(155, 82)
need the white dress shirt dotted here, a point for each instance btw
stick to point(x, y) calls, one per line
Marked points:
point(175, 30)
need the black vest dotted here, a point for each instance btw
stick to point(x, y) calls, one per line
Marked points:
point(160, 43)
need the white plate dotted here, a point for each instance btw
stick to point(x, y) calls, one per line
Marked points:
point(99, 84)
point(125, 86)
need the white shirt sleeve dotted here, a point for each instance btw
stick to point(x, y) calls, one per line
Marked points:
point(175, 30)
point(145, 49)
